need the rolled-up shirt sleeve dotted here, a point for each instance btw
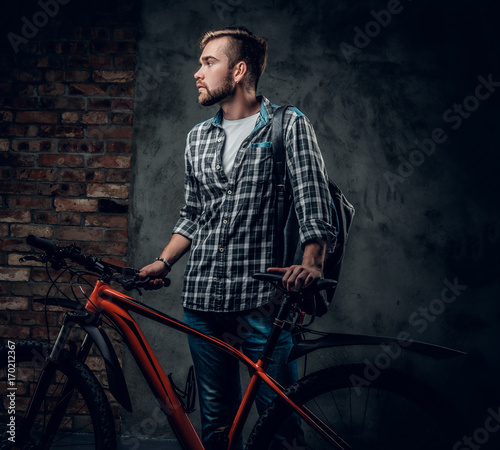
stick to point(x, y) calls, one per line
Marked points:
point(309, 181)
point(189, 213)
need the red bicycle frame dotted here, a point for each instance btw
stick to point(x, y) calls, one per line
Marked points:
point(116, 306)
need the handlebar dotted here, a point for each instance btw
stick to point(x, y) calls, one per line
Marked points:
point(57, 255)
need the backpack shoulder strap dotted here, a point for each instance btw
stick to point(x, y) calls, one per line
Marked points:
point(279, 168)
point(278, 147)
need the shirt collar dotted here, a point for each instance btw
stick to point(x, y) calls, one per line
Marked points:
point(266, 111)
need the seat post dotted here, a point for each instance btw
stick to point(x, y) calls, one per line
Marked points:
point(278, 324)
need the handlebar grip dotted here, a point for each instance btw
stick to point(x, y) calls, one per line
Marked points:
point(41, 243)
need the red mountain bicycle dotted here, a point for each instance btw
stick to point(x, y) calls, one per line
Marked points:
point(58, 398)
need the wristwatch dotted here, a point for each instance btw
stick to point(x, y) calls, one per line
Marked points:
point(164, 261)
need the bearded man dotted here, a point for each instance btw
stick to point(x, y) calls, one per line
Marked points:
point(228, 223)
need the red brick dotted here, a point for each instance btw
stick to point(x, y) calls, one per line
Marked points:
point(41, 332)
point(14, 303)
point(51, 160)
point(81, 146)
point(36, 117)
point(17, 160)
point(61, 189)
point(26, 230)
point(70, 219)
point(116, 236)
point(76, 76)
point(73, 204)
point(54, 75)
point(21, 103)
point(122, 105)
point(24, 202)
point(109, 161)
point(45, 218)
point(122, 119)
point(64, 47)
point(105, 221)
point(9, 187)
point(33, 145)
point(88, 89)
point(16, 130)
point(118, 176)
point(29, 290)
point(14, 245)
point(14, 216)
point(95, 117)
point(125, 62)
point(79, 234)
point(28, 75)
point(36, 174)
point(4, 145)
point(64, 103)
point(18, 332)
point(98, 104)
point(28, 318)
point(122, 90)
point(14, 274)
point(5, 288)
point(52, 89)
point(109, 132)
point(113, 76)
point(69, 117)
point(82, 175)
point(53, 62)
point(6, 116)
point(118, 147)
point(107, 190)
point(106, 249)
point(4, 229)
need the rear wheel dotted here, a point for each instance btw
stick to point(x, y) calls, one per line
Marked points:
point(87, 419)
point(394, 412)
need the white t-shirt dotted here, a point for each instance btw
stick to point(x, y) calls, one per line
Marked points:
point(236, 132)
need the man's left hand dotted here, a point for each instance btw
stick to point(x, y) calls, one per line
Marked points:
point(296, 277)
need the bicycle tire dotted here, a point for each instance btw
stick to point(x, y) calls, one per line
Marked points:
point(424, 420)
point(88, 419)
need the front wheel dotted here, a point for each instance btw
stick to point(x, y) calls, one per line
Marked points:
point(394, 412)
point(85, 419)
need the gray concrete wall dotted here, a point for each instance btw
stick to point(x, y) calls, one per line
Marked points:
point(405, 130)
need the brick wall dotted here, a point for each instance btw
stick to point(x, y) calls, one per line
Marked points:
point(66, 111)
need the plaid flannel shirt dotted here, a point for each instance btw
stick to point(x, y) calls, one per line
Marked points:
point(231, 221)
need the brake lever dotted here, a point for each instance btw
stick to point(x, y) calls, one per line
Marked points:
point(33, 258)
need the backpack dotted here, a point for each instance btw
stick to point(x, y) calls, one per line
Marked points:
point(288, 248)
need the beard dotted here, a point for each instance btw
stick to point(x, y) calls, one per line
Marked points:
point(209, 98)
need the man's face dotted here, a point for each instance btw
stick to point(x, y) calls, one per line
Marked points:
point(214, 79)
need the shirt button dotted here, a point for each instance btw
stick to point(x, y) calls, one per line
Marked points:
point(221, 249)
point(230, 192)
point(217, 166)
point(224, 221)
point(219, 140)
point(214, 278)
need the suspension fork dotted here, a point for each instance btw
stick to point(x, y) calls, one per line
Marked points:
point(46, 377)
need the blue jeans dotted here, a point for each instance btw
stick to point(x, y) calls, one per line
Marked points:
point(217, 372)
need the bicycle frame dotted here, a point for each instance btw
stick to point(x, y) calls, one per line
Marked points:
point(116, 307)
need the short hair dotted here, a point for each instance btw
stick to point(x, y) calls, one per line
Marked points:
point(243, 45)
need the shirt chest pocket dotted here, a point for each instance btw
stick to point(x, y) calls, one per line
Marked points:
point(257, 165)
